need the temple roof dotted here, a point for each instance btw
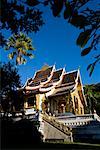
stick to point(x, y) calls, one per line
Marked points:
point(69, 77)
point(62, 90)
point(59, 93)
point(67, 84)
point(56, 75)
point(48, 78)
point(41, 76)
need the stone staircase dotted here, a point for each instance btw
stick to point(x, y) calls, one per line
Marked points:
point(61, 128)
point(53, 130)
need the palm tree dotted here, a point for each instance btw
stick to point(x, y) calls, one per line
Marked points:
point(91, 100)
point(20, 44)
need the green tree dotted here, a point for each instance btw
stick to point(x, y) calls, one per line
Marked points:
point(96, 92)
point(25, 16)
point(84, 16)
point(92, 93)
point(89, 97)
point(20, 45)
point(20, 16)
point(10, 80)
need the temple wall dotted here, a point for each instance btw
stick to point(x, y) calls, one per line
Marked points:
point(80, 109)
point(53, 103)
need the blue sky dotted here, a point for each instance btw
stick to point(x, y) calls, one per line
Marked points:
point(55, 43)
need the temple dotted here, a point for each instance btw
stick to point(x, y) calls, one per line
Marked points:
point(55, 91)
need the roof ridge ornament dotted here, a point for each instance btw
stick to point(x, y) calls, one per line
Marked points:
point(65, 66)
point(54, 67)
point(64, 70)
point(79, 67)
point(45, 67)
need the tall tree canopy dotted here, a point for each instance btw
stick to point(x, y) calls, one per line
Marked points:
point(20, 44)
point(10, 80)
point(84, 16)
point(26, 16)
point(92, 93)
point(18, 15)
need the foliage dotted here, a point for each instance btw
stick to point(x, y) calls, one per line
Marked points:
point(92, 93)
point(10, 80)
point(25, 16)
point(18, 15)
point(81, 15)
point(21, 44)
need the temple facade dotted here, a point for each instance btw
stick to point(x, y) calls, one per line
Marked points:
point(55, 91)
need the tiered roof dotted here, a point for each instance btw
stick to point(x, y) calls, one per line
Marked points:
point(41, 76)
point(67, 84)
point(49, 77)
point(52, 82)
point(69, 77)
point(56, 75)
point(55, 78)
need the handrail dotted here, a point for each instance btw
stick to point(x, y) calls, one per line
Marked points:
point(60, 126)
point(85, 116)
point(78, 120)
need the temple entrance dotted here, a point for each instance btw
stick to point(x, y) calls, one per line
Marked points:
point(61, 104)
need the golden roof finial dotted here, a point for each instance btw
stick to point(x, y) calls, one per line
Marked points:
point(45, 66)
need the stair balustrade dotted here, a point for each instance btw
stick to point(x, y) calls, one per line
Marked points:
point(60, 126)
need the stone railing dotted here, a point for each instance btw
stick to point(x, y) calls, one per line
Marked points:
point(78, 120)
point(60, 126)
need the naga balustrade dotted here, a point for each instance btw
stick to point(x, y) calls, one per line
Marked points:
point(54, 122)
